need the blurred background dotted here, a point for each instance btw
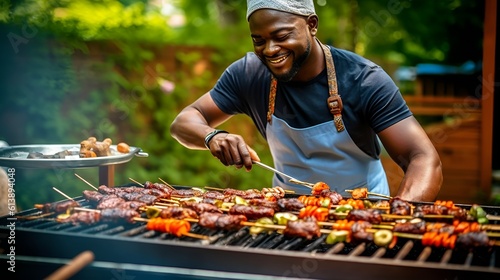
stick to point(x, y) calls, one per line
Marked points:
point(123, 69)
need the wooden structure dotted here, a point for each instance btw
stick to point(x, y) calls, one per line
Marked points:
point(464, 139)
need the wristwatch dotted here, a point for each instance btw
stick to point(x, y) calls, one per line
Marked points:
point(211, 135)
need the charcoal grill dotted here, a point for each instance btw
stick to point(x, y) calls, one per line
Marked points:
point(129, 251)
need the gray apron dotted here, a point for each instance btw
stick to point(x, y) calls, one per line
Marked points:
point(323, 152)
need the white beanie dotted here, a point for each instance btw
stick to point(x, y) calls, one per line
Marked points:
point(298, 7)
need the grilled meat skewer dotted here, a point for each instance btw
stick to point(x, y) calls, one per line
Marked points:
point(91, 216)
point(290, 204)
point(57, 207)
point(306, 228)
point(251, 212)
point(370, 215)
point(201, 207)
point(221, 221)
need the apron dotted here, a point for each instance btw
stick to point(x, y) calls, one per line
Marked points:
point(323, 152)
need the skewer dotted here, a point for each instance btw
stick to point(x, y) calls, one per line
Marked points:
point(213, 189)
point(137, 182)
point(492, 217)
point(138, 219)
point(298, 182)
point(420, 236)
point(34, 217)
point(85, 181)
point(326, 231)
point(407, 217)
point(173, 202)
point(63, 194)
point(167, 184)
point(373, 225)
point(374, 194)
point(291, 179)
point(221, 189)
point(385, 225)
point(323, 231)
point(86, 209)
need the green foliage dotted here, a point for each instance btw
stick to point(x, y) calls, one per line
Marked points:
point(448, 32)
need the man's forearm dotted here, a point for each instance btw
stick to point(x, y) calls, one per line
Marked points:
point(422, 180)
point(190, 131)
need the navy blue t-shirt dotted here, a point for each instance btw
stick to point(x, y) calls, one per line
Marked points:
point(372, 102)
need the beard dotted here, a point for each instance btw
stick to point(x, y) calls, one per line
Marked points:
point(296, 65)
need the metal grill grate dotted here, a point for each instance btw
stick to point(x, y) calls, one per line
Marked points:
point(239, 252)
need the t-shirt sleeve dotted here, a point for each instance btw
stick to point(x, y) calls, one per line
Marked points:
point(226, 91)
point(385, 106)
point(243, 89)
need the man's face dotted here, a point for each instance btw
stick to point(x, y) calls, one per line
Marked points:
point(281, 41)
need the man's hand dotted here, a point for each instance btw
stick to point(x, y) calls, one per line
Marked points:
point(231, 149)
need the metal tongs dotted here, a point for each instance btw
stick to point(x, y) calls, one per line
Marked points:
point(291, 179)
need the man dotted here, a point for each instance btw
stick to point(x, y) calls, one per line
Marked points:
point(322, 110)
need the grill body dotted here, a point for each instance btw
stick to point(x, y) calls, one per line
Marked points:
point(129, 251)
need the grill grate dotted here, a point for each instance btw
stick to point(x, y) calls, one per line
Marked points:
point(135, 244)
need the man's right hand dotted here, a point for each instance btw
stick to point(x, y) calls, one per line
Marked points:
point(231, 149)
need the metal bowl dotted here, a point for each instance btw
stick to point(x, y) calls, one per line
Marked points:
point(17, 156)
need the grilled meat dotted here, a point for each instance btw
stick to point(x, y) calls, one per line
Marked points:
point(265, 203)
point(177, 212)
point(57, 207)
point(251, 212)
point(319, 187)
point(107, 190)
point(440, 227)
point(277, 192)
point(208, 219)
point(186, 193)
point(457, 212)
point(133, 190)
point(306, 228)
point(334, 196)
point(416, 227)
point(422, 210)
point(230, 222)
point(370, 215)
point(473, 239)
point(359, 193)
point(246, 194)
point(201, 207)
point(133, 205)
point(214, 195)
point(118, 214)
point(221, 221)
point(399, 206)
point(110, 202)
point(83, 217)
point(145, 198)
point(210, 201)
point(93, 196)
point(229, 191)
point(359, 233)
point(162, 187)
point(290, 204)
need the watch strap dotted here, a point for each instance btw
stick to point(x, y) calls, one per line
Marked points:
point(211, 135)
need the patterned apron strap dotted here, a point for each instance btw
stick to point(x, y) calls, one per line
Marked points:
point(272, 98)
point(334, 101)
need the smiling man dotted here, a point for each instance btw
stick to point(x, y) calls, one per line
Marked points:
point(323, 111)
